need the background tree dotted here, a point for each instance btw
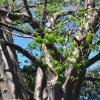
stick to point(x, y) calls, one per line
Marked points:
point(65, 36)
point(90, 87)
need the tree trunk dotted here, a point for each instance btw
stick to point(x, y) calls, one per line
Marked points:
point(39, 84)
point(11, 81)
point(73, 86)
point(70, 89)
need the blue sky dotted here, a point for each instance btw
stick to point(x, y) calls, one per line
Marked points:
point(23, 42)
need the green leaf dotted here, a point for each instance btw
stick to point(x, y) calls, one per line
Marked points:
point(81, 47)
point(50, 37)
point(71, 18)
point(61, 76)
point(31, 45)
point(38, 39)
point(26, 28)
point(45, 41)
point(79, 23)
point(60, 40)
point(89, 37)
point(60, 24)
point(2, 1)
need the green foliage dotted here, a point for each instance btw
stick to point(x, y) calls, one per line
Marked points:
point(19, 22)
point(80, 13)
point(45, 41)
point(60, 36)
point(89, 37)
point(50, 38)
point(26, 28)
point(58, 67)
point(81, 47)
point(38, 39)
point(60, 24)
point(29, 73)
point(79, 23)
point(52, 8)
point(76, 2)
point(60, 40)
point(79, 17)
point(2, 1)
point(32, 44)
point(71, 18)
point(14, 4)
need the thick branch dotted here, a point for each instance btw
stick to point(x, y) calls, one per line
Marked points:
point(57, 55)
point(27, 8)
point(66, 11)
point(23, 17)
point(44, 13)
point(16, 29)
point(93, 60)
point(97, 43)
point(91, 79)
point(24, 52)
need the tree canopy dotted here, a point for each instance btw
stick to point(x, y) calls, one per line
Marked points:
point(65, 32)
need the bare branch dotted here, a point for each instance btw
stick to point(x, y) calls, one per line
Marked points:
point(27, 8)
point(97, 43)
point(91, 79)
point(25, 52)
point(93, 60)
point(22, 36)
point(23, 17)
point(17, 29)
point(17, 10)
point(18, 35)
point(44, 13)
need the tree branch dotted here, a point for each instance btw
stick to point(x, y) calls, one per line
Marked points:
point(16, 29)
point(66, 11)
point(93, 60)
point(18, 35)
point(27, 8)
point(23, 17)
point(44, 13)
point(24, 52)
point(57, 55)
point(91, 79)
point(97, 43)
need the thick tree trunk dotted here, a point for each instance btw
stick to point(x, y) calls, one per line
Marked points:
point(39, 84)
point(73, 86)
point(11, 81)
point(70, 89)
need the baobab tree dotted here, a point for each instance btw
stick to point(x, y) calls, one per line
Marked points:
point(65, 37)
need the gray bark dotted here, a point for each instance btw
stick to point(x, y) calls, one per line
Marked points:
point(11, 81)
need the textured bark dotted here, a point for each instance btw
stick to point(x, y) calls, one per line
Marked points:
point(72, 87)
point(39, 84)
point(51, 76)
point(69, 90)
point(11, 81)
